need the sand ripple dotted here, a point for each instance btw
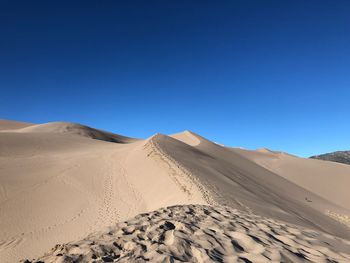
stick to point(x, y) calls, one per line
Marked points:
point(200, 233)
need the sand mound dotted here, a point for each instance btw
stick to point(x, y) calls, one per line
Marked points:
point(269, 152)
point(196, 233)
point(187, 137)
point(13, 125)
point(76, 129)
point(327, 179)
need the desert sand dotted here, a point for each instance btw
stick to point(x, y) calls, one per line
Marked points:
point(69, 184)
point(196, 233)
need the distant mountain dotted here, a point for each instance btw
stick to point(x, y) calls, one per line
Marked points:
point(339, 157)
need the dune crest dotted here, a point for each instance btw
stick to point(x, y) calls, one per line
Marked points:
point(76, 129)
point(187, 137)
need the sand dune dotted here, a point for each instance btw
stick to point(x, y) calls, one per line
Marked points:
point(60, 182)
point(76, 129)
point(57, 187)
point(12, 125)
point(332, 178)
point(238, 182)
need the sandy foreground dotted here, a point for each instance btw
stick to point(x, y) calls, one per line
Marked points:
point(105, 197)
point(196, 233)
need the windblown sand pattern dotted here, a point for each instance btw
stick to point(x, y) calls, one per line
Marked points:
point(199, 233)
point(344, 219)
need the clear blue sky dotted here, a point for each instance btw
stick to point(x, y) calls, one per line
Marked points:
point(250, 73)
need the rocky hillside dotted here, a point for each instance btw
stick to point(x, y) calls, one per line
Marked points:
point(339, 157)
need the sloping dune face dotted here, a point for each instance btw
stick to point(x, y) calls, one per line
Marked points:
point(328, 179)
point(239, 182)
point(187, 137)
point(76, 129)
point(62, 181)
point(12, 125)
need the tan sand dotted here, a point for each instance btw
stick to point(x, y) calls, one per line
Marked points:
point(333, 179)
point(12, 125)
point(60, 182)
point(195, 233)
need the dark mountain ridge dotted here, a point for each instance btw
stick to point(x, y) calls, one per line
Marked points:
point(338, 156)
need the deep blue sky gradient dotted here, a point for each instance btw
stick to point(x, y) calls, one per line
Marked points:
point(250, 73)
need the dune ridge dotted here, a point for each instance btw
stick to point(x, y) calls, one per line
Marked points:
point(187, 181)
point(76, 129)
point(187, 137)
